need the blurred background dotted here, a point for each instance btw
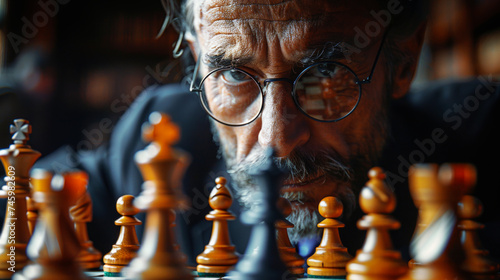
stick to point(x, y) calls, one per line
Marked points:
point(72, 67)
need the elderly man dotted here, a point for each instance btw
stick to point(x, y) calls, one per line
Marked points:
point(319, 81)
point(261, 66)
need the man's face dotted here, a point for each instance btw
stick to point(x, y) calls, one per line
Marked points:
point(270, 39)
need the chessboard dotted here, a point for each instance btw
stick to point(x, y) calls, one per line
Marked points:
point(47, 213)
point(100, 275)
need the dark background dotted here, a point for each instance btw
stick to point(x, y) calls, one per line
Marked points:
point(92, 58)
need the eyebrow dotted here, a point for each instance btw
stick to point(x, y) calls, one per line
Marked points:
point(328, 51)
point(217, 61)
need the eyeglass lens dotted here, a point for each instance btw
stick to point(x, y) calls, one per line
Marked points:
point(324, 91)
point(327, 91)
point(232, 96)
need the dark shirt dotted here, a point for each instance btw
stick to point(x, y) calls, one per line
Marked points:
point(448, 121)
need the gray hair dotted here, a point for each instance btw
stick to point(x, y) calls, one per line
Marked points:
point(180, 14)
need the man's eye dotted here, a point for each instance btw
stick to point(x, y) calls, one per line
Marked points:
point(235, 76)
point(325, 70)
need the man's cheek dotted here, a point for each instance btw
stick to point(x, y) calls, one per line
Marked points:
point(228, 139)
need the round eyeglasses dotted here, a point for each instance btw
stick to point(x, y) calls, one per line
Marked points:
point(326, 91)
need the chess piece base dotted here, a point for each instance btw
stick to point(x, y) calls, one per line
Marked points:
point(120, 255)
point(217, 256)
point(328, 262)
point(434, 271)
point(112, 268)
point(213, 269)
point(298, 270)
point(165, 267)
point(386, 265)
point(292, 260)
point(326, 272)
point(89, 258)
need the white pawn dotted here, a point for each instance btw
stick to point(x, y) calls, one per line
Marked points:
point(219, 255)
point(127, 245)
point(331, 256)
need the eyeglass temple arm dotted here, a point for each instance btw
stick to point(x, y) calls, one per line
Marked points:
point(195, 73)
point(369, 78)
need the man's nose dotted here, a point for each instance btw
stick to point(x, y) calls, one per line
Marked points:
point(283, 126)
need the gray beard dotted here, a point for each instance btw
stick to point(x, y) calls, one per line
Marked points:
point(350, 175)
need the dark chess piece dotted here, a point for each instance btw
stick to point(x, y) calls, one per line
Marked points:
point(17, 161)
point(262, 259)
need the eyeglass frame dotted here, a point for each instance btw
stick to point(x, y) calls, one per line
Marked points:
point(359, 82)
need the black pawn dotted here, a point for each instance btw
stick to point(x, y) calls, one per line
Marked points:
point(262, 259)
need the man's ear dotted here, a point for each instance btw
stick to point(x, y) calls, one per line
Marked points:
point(405, 71)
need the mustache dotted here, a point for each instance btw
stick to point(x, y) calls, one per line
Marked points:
point(303, 166)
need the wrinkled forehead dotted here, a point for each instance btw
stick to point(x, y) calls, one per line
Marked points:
point(226, 23)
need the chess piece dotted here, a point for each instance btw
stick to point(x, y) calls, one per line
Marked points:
point(435, 245)
point(32, 213)
point(476, 261)
point(330, 257)
point(377, 259)
point(219, 255)
point(288, 254)
point(81, 213)
point(261, 260)
point(127, 245)
point(54, 247)
point(158, 258)
point(17, 161)
point(177, 174)
point(177, 247)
